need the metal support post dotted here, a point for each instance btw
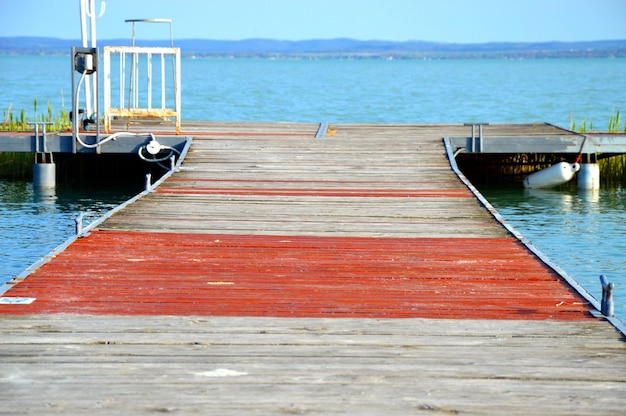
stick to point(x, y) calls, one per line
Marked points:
point(79, 224)
point(44, 169)
point(85, 62)
point(475, 144)
point(606, 306)
point(148, 182)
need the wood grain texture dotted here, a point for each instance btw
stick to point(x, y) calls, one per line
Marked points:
point(277, 273)
point(77, 364)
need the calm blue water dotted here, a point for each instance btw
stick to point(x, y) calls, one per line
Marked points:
point(360, 91)
point(33, 221)
point(584, 233)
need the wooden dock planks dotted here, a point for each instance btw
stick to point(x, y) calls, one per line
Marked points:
point(293, 276)
point(219, 292)
point(77, 364)
point(365, 222)
point(349, 183)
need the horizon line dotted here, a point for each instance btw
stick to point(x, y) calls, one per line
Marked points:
point(329, 39)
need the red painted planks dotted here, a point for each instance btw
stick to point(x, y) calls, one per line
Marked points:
point(357, 193)
point(287, 276)
point(352, 182)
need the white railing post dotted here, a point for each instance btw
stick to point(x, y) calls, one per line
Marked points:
point(122, 72)
point(162, 81)
point(177, 91)
point(150, 81)
point(107, 87)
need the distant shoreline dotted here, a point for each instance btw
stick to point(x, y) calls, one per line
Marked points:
point(338, 48)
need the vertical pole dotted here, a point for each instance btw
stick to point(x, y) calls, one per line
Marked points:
point(122, 76)
point(177, 91)
point(36, 137)
point(84, 11)
point(148, 182)
point(131, 74)
point(107, 88)
point(162, 81)
point(96, 93)
point(44, 137)
point(136, 86)
point(74, 102)
point(92, 107)
point(606, 307)
point(83, 22)
point(149, 81)
point(79, 223)
point(44, 173)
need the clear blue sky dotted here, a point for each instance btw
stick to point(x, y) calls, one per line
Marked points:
point(465, 21)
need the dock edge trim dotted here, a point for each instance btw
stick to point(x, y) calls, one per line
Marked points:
point(614, 320)
point(85, 231)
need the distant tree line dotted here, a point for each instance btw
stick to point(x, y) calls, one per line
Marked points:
point(339, 48)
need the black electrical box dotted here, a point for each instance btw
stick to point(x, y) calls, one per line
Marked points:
point(86, 60)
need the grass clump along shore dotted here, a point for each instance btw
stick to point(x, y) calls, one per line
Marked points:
point(19, 165)
point(613, 168)
point(20, 121)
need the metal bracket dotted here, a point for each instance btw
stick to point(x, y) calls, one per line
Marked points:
point(606, 306)
point(43, 124)
point(79, 225)
point(475, 144)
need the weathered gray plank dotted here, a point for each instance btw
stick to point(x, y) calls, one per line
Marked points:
point(79, 364)
point(313, 366)
point(353, 158)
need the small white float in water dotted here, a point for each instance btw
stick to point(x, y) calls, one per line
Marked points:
point(589, 176)
point(553, 176)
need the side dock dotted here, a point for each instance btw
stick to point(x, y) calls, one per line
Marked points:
point(267, 275)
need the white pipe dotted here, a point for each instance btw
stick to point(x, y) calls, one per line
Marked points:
point(84, 12)
point(92, 79)
point(87, 9)
point(83, 23)
point(92, 23)
point(109, 138)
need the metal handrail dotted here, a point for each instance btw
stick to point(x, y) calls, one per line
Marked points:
point(133, 109)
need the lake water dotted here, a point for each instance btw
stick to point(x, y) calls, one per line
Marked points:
point(584, 233)
point(33, 221)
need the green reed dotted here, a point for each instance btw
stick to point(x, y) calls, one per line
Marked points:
point(20, 121)
point(612, 169)
point(19, 165)
point(615, 124)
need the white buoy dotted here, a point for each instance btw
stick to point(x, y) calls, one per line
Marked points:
point(553, 176)
point(44, 175)
point(589, 176)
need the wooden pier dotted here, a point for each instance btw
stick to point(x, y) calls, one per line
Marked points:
point(277, 272)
